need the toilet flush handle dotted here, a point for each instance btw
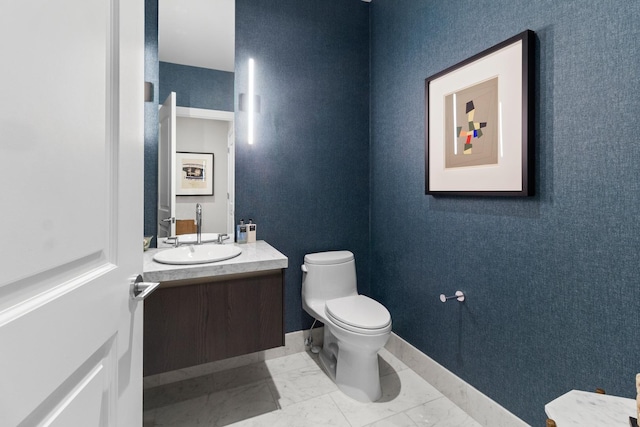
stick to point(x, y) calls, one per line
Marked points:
point(304, 268)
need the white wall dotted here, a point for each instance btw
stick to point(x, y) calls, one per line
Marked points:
point(205, 136)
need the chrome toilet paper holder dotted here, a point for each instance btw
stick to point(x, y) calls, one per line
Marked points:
point(459, 295)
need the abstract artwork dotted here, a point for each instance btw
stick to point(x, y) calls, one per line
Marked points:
point(194, 174)
point(471, 124)
point(479, 123)
point(474, 131)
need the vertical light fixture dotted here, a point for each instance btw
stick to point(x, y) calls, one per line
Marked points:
point(251, 102)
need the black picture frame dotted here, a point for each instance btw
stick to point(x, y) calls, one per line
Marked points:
point(501, 80)
point(194, 174)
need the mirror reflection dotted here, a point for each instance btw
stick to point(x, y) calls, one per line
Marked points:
point(196, 49)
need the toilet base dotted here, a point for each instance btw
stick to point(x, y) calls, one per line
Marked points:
point(328, 365)
point(355, 372)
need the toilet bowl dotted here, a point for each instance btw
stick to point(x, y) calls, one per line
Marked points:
point(356, 326)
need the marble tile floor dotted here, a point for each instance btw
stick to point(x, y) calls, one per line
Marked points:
point(293, 391)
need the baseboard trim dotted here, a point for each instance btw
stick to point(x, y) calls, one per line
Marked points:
point(479, 406)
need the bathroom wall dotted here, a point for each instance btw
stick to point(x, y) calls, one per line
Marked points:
point(151, 74)
point(197, 87)
point(305, 180)
point(552, 281)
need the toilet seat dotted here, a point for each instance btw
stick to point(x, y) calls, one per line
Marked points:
point(358, 313)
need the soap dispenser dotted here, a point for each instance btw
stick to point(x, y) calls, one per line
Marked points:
point(251, 232)
point(241, 233)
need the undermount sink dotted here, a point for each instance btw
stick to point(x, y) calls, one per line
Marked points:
point(197, 254)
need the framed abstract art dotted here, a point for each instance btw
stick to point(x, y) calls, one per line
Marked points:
point(479, 123)
point(194, 174)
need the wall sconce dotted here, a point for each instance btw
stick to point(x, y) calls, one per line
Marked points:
point(148, 92)
point(250, 102)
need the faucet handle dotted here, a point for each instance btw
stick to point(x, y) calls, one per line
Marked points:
point(222, 237)
point(174, 239)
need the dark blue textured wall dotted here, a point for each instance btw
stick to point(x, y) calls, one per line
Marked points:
point(151, 74)
point(197, 87)
point(305, 181)
point(552, 281)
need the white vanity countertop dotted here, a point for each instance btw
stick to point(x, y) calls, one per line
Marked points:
point(585, 409)
point(259, 256)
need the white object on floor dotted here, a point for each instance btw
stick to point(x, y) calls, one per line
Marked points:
point(585, 409)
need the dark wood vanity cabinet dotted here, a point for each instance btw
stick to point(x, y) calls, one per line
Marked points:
point(190, 322)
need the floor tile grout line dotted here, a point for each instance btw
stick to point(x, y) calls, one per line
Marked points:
point(275, 400)
point(339, 409)
point(300, 401)
point(391, 416)
point(235, 388)
point(419, 405)
point(293, 368)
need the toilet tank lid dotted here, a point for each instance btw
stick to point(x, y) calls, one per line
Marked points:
point(328, 258)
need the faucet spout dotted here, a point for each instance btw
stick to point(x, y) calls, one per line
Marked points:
point(198, 224)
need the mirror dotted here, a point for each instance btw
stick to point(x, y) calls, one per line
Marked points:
point(196, 37)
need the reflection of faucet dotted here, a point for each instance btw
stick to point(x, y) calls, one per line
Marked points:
point(175, 242)
point(198, 224)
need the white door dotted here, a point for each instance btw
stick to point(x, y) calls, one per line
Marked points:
point(71, 179)
point(167, 167)
point(231, 181)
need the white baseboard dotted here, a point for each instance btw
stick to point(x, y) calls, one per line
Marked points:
point(479, 406)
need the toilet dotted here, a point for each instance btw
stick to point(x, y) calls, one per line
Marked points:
point(356, 327)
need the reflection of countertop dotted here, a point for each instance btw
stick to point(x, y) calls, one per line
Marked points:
point(584, 409)
point(259, 256)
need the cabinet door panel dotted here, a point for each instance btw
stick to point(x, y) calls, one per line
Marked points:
point(191, 324)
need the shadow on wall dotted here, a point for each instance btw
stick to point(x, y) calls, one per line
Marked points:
point(544, 116)
point(494, 206)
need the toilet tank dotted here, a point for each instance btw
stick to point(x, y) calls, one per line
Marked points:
point(328, 275)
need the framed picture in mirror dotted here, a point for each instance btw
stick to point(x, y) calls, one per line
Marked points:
point(194, 174)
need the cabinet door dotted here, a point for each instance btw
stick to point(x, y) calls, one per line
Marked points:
point(193, 323)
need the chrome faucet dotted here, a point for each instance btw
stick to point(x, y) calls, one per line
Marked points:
point(198, 224)
point(222, 238)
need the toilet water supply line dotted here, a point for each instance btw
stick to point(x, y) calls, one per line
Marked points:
point(309, 340)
